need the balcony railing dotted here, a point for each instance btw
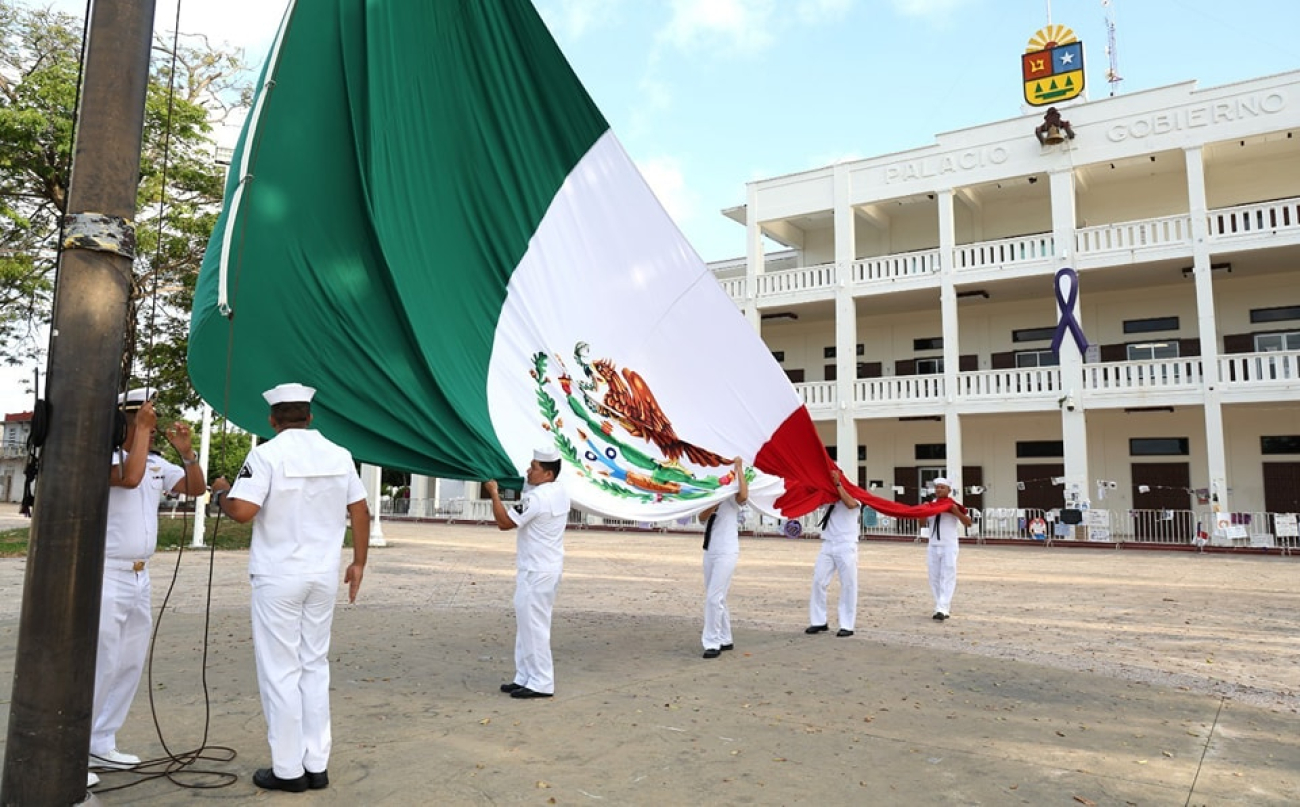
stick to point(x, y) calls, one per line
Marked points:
point(1129, 376)
point(1006, 252)
point(896, 267)
point(803, 279)
point(733, 286)
point(1132, 235)
point(1242, 221)
point(899, 389)
point(1105, 381)
point(984, 384)
point(1256, 219)
point(817, 393)
point(1259, 368)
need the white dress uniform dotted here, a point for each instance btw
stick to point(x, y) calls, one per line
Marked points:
point(838, 555)
point(720, 556)
point(125, 611)
point(541, 515)
point(303, 484)
point(941, 559)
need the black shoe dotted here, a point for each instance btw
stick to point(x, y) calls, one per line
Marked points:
point(842, 633)
point(945, 616)
point(525, 692)
point(266, 779)
point(318, 781)
point(816, 629)
point(513, 687)
point(712, 652)
point(938, 616)
point(727, 647)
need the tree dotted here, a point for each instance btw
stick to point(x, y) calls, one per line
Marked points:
point(179, 193)
point(230, 445)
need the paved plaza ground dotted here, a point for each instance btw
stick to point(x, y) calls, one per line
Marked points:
point(1066, 676)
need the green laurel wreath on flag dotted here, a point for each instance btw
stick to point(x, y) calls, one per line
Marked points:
point(555, 426)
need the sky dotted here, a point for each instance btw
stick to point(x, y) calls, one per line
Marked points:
point(708, 95)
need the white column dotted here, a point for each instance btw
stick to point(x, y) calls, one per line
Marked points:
point(1074, 426)
point(1208, 330)
point(753, 258)
point(846, 329)
point(205, 452)
point(372, 477)
point(951, 331)
point(420, 493)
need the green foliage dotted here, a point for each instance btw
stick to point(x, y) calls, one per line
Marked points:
point(176, 531)
point(394, 478)
point(179, 193)
point(229, 446)
point(13, 543)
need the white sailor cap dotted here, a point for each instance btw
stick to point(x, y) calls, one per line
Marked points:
point(289, 393)
point(134, 399)
point(548, 454)
point(941, 480)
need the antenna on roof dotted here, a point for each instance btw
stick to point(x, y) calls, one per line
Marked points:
point(1112, 52)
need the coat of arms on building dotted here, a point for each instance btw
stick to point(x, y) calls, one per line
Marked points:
point(1052, 66)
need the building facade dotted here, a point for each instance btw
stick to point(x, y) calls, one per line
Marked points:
point(13, 455)
point(917, 304)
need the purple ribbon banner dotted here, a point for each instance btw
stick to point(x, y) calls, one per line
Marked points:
point(1067, 294)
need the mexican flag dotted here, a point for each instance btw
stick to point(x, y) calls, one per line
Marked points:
point(428, 220)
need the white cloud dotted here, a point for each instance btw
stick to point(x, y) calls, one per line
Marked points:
point(654, 97)
point(813, 12)
point(655, 94)
point(571, 19)
point(665, 177)
point(739, 25)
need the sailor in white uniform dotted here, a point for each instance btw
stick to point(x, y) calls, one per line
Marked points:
point(941, 554)
point(721, 552)
point(298, 488)
point(541, 517)
point(839, 554)
point(137, 482)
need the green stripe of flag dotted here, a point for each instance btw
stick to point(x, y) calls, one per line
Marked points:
point(401, 164)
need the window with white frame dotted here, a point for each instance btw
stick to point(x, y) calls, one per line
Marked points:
point(1275, 367)
point(1037, 358)
point(929, 366)
point(1146, 351)
point(1270, 342)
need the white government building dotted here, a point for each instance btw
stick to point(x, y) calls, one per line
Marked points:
point(915, 307)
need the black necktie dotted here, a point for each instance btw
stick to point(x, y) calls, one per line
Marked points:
point(827, 518)
point(708, 531)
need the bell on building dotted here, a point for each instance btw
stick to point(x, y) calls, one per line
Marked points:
point(1053, 136)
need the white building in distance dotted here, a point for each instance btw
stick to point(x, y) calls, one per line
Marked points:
point(917, 303)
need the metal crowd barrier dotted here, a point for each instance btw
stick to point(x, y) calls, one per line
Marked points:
point(1141, 526)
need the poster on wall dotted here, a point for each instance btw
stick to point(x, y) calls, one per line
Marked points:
point(1098, 523)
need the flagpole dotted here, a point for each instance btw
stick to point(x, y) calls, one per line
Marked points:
point(54, 667)
point(201, 501)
